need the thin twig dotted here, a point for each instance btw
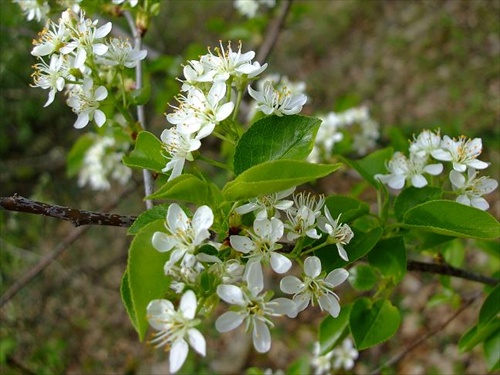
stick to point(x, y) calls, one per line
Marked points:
point(75, 216)
point(273, 32)
point(141, 117)
point(446, 269)
point(49, 258)
point(398, 357)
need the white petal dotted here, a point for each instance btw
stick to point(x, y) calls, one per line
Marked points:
point(396, 182)
point(337, 277)
point(188, 304)
point(81, 56)
point(284, 306)
point(163, 242)
point(457, 179)
point(224, 111)
point(342, 252)
point(280, 263)
point(229, 321)
point(261, 337)
point(302, 301)
point(99, 117)
point(197, 341)
point(82, 120)
point(418, 181)
point(312, 266)
point(231, 294)
point(177, 218)
point(178, 354)
point(291, 285)
point(100, 93)
point(254, 277)
point(434, 169)
point(477, 164)
point(241, 243)
point(441, 154)
point(104, 30)
point(480, 203)
point(329, 303)
point(463, 199)
point(246, 208)
point(203, 218)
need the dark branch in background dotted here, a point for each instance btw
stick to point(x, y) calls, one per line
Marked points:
point(273, 32)
point(74, 235)
point(75, 216)
point(398, 357)
point(446, 269)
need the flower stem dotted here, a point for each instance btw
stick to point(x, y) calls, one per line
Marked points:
point(213, 162)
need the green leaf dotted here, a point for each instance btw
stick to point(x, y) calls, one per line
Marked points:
point(273, 176)
point(127, 299)
point(372, 164)
point(273, 138)
point(491, 349)
point(299, 367)
point(350, 208)
point(373, 323)
point(156, 213)
point(146, 277)
point(331, 330)
point(452, 219)
point(189, 188)
point(389, 256)
point(77, 154)
point(491, 308)
point(412, 196)
point(141, 96)
point(363, 277)
point(359, 246)
point(477, 335)
point(147, 153)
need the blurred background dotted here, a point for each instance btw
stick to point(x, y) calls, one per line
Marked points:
point(415, 65)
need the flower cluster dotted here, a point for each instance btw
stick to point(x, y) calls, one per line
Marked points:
point(206, 102)
point(340, 357)
point(249, 8)
point(102, 162)
point(354, 122)
point(79, 58)
point(463, 155)
point(34, 9)
point(238, 264)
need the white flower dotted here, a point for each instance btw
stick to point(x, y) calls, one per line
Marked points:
point(322, 364)
point(253, 308)
point(184, 274)
point(472, 188)
point(51, 76)
point(184, 235)
point(120, 53)
point(179, 147)
point(268, 205)
point(227, 63)
point(176, 328)
point(34, 9)
point(52, 38)
point(339, 234)
point(302, 220)
point(84, 100)
point(328, 135)
point(261, 245)
point(85, 38)
point(462, 153)
point(425, 143)
point(247, 8)
point(345, 355)
point(278, 102)
point(402, 169)
point(314, 288)
point(101, 161)
point(198, 113)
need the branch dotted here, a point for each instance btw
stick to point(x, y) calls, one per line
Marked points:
point(75, 216)
point(141, 117)
point(81, 217)
point(446, 269)
point(273, 32)
point(398, 357)
point(65, 243)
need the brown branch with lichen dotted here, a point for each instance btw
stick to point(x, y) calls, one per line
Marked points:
point(75, 216)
